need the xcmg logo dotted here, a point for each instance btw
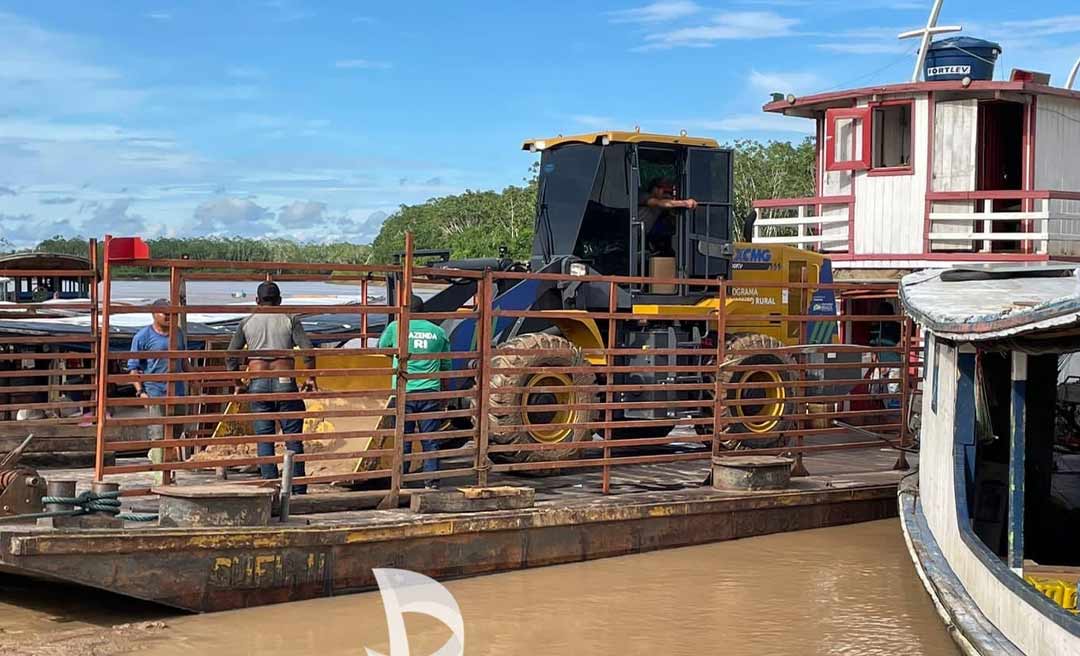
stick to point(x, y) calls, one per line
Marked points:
point(754, 255)
point(754, 259)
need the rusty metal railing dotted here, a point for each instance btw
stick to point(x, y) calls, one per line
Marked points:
point(513, 400)
point(48, 372)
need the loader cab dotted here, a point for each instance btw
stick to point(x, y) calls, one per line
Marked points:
point(593, 188)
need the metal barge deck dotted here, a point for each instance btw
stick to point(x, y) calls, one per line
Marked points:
point(332, 553)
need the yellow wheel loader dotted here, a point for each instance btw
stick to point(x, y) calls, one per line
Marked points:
point(593, 217)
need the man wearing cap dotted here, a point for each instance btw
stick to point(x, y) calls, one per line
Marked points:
point(654, 212)
point(273, 332)
point(155, 337)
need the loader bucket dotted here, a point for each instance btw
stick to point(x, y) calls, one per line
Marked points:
point(329, 425)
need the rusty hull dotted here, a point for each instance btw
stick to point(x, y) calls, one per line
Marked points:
point(226, 568)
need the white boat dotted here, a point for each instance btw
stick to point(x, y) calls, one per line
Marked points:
point(990, 518)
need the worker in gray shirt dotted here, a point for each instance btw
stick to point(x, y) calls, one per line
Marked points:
point(273, 332)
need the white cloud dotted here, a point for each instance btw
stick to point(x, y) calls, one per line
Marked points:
point(361, 64)
point(25, 230)
point(301, 213)
point(791, 82)
point(664, 10)
point(53, 73)
point(113, 218)
point(159, 16)
point(736, 25)
point(231, 216)
point(1069, 24)
point(867, 48)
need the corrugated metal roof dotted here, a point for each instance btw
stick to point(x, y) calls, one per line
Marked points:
point(987, 302)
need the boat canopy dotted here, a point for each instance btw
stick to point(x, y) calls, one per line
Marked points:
point(989, 302)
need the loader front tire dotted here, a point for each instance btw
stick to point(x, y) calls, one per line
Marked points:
point(511, 407)
point(767, 418)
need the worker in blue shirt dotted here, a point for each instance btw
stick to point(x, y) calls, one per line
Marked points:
point(155, 337)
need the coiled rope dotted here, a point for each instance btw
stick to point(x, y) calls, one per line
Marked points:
point(85, 503)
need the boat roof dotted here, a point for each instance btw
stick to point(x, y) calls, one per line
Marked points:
point(616, 136)
point(995, 301)
point(845, 98)
point(36, 260)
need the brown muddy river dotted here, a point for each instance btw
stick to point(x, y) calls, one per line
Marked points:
point(837, 591)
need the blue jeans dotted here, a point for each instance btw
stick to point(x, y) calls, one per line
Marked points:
point(423, 426)
point(269, 426)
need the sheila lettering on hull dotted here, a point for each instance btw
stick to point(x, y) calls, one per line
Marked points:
point(404, 591)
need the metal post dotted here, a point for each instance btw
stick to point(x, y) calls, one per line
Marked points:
point(59, 489)
point(363, 311)
point(905, 389)
point(1072, 74)
point(609, 397)
point(286, 484)
point(101, 487)
point(401, 373)
point(484, 326)
point(721, 354)
point(1017, 453)
point(94, 324)
point(103, 366)
point(798, 469)
point(171, 387)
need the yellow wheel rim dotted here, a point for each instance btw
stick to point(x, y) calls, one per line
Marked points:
point(539, 421)
point(763, 417)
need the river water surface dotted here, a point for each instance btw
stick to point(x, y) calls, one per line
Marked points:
point(837, 591)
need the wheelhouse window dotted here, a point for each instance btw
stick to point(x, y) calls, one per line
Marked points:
point(892, 136)
point(847, 139)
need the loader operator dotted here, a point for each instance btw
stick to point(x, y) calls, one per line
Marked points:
point(273, 332)
point(424, 338)
point(654, 212)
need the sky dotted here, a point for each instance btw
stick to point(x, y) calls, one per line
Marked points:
point(315, 120)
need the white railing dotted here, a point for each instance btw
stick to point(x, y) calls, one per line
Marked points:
point(1038, 228)
point(811, 228)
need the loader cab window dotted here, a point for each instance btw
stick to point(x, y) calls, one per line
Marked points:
point(683, 242)
point(604, 238)
point(565, 188)
point(659, 171)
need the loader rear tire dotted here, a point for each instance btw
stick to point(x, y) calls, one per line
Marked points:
point(509, 408)
point(768, 417)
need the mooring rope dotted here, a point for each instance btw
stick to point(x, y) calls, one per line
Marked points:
point(85, 503)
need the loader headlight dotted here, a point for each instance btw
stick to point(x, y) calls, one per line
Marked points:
point(578, 269)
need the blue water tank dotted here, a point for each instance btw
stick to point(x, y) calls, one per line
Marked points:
point(961, 56)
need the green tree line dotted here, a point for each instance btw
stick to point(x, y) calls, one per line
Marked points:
point(233, 249)
point(478, 223)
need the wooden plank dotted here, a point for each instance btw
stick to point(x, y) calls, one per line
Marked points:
point(15, 429)
point(47, 444)
point(463, 500)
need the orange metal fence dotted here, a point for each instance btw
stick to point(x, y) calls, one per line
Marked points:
point(47, 377)
point(536, 404)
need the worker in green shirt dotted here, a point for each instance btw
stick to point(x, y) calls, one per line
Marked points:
point(428, 338)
